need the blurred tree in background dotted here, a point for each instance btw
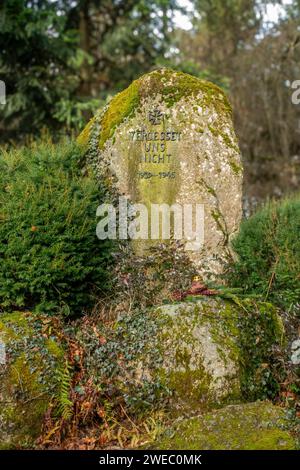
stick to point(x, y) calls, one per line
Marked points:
point(260, 59)
point(38, 62)
point(61, 59)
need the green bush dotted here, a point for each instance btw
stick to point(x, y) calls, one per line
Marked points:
point(268, 249)
point(50, 257)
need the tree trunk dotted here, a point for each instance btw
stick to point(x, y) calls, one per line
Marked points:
point(84, 38)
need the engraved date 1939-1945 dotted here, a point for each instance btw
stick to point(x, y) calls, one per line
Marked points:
point(161, 175)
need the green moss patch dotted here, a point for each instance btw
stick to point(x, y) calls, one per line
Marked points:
point(171, 85)
point(83, 138)
point(29, 381)
point(251, 426)
point(120, 107)
point(217, 131)
point(176, 85)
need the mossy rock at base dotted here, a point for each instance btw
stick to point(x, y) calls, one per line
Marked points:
point(200, 352)
point(189, 356)
point(28, 378)
point(217, 351)
point(249, 426)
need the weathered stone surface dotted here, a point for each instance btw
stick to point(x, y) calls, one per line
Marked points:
point(28, 378)
point(248, 426)
point(189, 356)
point(200, 351)
point(204, 349)
point(295, 357)
point(191, 157)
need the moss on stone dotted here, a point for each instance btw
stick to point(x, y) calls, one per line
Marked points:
point(166, 170)
point(215, 350)
point(191, 389)
point(174, 85)
point(228, 141)
point(84, 137)
point(217, 131)
point(183, 326)
point(28, 381)
point(171, 85)
point(120, 107)
point(14, 325)
point(237, 169)
point(26, 413)
point(185, 374)
point(251, 426)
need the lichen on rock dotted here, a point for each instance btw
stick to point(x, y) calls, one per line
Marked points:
point(210, 352)
point(28, 379)
point(201, 362)
point(170, 84)
point(248, 426)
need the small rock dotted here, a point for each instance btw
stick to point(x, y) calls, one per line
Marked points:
point(295, 357)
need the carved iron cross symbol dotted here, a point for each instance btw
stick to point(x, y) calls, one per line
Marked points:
point(155, 116)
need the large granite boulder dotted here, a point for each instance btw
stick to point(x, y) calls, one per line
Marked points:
point(169, 139)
